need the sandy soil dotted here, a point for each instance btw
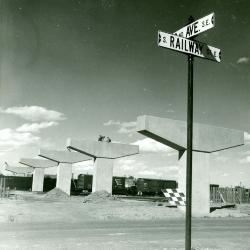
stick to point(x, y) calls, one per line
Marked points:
point(38, 221)
point(28, 207)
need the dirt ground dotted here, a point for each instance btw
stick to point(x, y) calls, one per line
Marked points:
point(37, 221)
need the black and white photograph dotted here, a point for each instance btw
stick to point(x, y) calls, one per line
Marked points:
point(124, 125)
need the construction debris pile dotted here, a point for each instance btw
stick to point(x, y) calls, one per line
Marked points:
point(56, 194)
point(99, 196)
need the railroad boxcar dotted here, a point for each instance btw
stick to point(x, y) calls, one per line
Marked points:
point(24, 183)
point(18, 182)
point(49, 183)
point(118, 185)
point(130, 185)
point(84, 182)
point(126, 185)
point(153, 186)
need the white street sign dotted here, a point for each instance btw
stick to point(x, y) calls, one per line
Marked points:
point(187, 46)
point(197, 27)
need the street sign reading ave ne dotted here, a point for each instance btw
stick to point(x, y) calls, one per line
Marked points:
point(197, 27)
point(187, 46)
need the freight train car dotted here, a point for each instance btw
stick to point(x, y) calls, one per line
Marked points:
point(126, 185)
point(130, 185)
point(84, 184)
point(24, 183)
point(81, 185)
point(118, 185)
point(49, 183)
point(17, 182)
point(153, 186)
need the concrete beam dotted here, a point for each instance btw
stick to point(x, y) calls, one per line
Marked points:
point(19, 170)
point(106, 150)
point(63, 156)
point(173, 133)
point(37, 163)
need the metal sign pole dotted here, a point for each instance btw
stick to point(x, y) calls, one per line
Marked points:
point(188, 225)
point(178, 41)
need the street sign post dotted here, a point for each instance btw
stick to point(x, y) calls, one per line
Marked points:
point(188, 46)
point(179, 42)
point(197, 27)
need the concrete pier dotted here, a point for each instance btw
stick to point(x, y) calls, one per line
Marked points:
point(102, 171)
point(39, 166)
point(104, 154)
point(65, 159)
point(38, 178)
point(200, 183)
point(63, 178)
point(206, 140)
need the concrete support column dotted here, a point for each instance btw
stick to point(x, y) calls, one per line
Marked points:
point(103, 173)
point(200, 183)
point(206, 140)
point(65, 159)
point(104, 154)
point(64, 175)
point(38, 178)
point(38, 175)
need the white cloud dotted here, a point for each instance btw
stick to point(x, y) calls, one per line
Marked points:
point(34, 113)
point(83, 164)
point(127, 164)
point(83, 167)
point(245, 152)
point(172, 153)
point(148, 165)
point(47, 143)
point(148, 173)
point(127, 127)
point(170, 111)
point(172, 168)
point(157, 173)
point(111, 122)
point(243, 60)
point(10, 139)
point(35, 127)
point(247, 137)
point(151, 145)
point(222, 158)
point(123, 127)
point(245, 160)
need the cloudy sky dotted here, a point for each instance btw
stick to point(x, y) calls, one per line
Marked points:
point(80, 68)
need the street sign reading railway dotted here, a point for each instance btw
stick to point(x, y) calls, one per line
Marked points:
point(197, 27)
point(187, 46)
point(179, 42)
